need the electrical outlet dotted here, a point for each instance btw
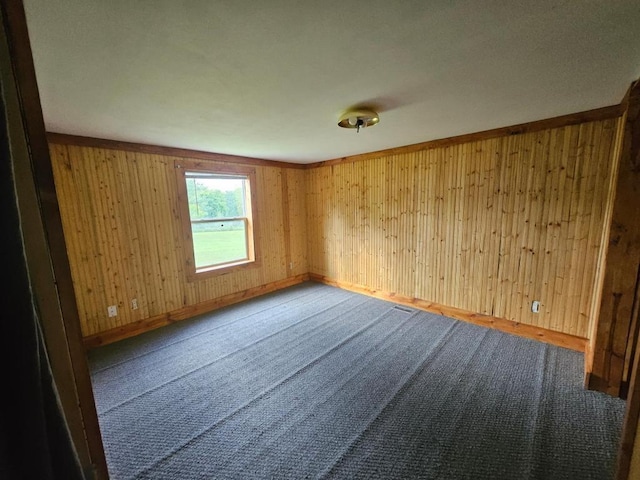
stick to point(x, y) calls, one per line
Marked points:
point(290, 265)
point(112, 310)
point(134, 304)
point(535, 306)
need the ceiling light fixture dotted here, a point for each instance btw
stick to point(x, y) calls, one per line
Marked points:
point(358, 119)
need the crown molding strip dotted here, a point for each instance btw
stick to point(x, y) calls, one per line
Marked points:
point(80, 141)
point(603, 113)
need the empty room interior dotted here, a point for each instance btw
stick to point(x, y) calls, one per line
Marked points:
point(377, 240)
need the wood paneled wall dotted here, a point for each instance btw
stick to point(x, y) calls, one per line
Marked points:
point(617, 299)
point(486, 226)
point(120, 216)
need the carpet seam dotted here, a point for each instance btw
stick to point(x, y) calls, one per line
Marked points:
point(265, 392)
point(387, 402)
point(213, 329)
point(222, 357)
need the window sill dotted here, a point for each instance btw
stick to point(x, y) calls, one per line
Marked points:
point(221, 270)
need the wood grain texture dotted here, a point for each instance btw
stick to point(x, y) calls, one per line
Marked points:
point(577, 118)
point(45, 251)
point(253, 242)
point(616, 328)
point(618, 323)
point(628, 461)
point(297, 212)
point(486, 226)
point(121, 221)
point(535, 333)
point(103, 143)
point(151, 323)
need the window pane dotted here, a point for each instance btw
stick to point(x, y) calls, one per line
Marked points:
point(216, 209)
point(215, 196)
point(219, 242)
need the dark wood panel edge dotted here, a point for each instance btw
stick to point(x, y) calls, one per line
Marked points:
point(630, 435)
point(595, 382)
point(61, 325)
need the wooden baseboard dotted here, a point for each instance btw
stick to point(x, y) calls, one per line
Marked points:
point(528, 331)
point(151, 323)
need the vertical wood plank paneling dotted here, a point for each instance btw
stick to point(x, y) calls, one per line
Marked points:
point(121, 222)
point(297, 219)
point(313, 226)
point(286, 221)
point(99, 180)
point(618, 287)
point(505, 189)
point(377, 217)
point(64, 168)
point(420, 283)
point(486, 226)
point(270, 192)
point(473, 210)
point(363, 240)
point(597, 199)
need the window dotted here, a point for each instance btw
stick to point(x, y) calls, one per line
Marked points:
point(216, 208)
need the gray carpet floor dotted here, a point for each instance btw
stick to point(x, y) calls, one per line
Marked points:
point(317, 382)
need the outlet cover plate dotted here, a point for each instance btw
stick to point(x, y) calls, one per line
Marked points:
point(535, 306)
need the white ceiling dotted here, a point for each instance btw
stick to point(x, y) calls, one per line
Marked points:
point(270, 79)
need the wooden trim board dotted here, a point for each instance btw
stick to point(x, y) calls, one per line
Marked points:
point(45, 257)
point(64, 139)
point(611, 111)
point(613, 338)
point(621, 323)
point(536, 333)
point(151, 323)
point(535, 126)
